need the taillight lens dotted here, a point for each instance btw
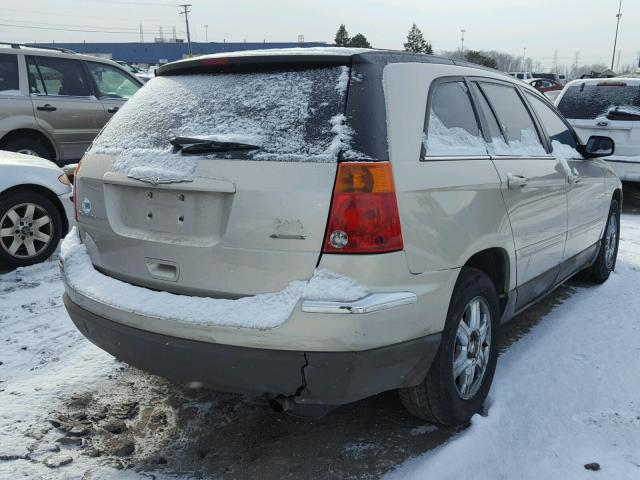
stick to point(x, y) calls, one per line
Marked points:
point(364, 211)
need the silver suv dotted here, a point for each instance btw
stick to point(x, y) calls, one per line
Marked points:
point(54, 102)
point(324, 225)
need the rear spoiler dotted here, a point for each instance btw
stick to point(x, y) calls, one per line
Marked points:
point(250, 63)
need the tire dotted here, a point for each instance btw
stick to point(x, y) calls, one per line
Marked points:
point(15, 208)
point(28, 146)
point(607, 255)
point(440, 398)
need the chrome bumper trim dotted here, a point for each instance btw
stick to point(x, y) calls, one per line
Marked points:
point(374, 302)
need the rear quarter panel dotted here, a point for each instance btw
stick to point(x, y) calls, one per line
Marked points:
point(449, 209)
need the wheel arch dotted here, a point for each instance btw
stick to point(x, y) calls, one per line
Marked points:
point(31, 133)
point(495, 263)
point(44, 191)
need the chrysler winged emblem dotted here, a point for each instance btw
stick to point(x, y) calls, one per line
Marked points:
point(155, 180)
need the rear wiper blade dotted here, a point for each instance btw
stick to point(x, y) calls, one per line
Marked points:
point(193, 146)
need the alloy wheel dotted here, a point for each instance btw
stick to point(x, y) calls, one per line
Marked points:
point(610, 241)
point(472, 348)
point(26, 230)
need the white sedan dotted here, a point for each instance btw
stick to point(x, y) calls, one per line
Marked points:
point(36, 209)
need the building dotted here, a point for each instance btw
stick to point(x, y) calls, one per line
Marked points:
point(163, 52)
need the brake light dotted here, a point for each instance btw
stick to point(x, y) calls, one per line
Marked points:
point(75, 190)
point(612, 84)
point(214, 62)
point(364, 214)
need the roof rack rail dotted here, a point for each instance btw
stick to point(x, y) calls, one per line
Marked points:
point(28, 45)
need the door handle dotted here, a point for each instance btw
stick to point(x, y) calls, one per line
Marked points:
point(113, 109)
point(574, 176)
point(47, 108)
point(516, 181)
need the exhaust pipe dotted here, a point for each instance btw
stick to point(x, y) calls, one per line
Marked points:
point(281, 403)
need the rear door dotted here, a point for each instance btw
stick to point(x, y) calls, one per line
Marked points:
point(228, 223)
point(585, 181)
point(114, 86)
point(64, 103)
point(533, 187)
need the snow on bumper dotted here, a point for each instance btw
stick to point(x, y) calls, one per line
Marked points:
point(301, 316)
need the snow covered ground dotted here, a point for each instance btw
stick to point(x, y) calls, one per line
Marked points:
point(565, 395)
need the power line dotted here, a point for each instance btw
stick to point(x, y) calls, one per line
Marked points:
point(50, 14)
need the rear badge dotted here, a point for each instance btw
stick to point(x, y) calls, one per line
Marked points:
point(159, 180)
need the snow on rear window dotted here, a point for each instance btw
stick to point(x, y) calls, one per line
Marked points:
point(291, 115)
point(588, 101)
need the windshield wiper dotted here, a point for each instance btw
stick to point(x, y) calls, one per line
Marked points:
point(194, 146)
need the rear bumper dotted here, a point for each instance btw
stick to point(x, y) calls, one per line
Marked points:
point(313, 377)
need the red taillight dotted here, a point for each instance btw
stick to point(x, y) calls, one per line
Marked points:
point(364, 211)
point(214, 62)
point(75, 190)
point(612, 84)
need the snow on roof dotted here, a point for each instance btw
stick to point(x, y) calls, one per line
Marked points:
point(271, 52)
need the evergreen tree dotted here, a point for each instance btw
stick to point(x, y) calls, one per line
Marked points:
point(480, 58)
point(342, 37)
point(416, 42)
point(359, 41)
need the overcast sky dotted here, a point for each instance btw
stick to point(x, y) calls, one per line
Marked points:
point(542, 26)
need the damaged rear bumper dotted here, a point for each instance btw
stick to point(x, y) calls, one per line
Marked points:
point(329, 378)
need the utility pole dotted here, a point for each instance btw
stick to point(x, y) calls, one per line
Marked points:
point(554, 69)
point(141, 35)
point(185, 12)
point(615, 41)
point(206, 33)
point(524, 58)
point(463, 31)
point(618, 62)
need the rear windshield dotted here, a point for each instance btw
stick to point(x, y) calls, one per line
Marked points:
point(291, 115)
point(588, 101)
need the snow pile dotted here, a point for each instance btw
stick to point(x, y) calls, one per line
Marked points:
point(288, 114)
point(565, 395)
point(443, 141)
point(343, 80)
point(263, 311)
point(528, 145)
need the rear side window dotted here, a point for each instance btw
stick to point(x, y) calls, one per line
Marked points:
point(58, 76)
point(291, 115)
point(9, 74)
point(111, 82)
point(591, 100)
point(515, 122)
point(452, 127)
point(556, 128)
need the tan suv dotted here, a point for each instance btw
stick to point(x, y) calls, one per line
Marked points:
point(323, 225)
point(54, 102)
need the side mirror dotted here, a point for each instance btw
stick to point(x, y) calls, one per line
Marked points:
point(598, 146)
